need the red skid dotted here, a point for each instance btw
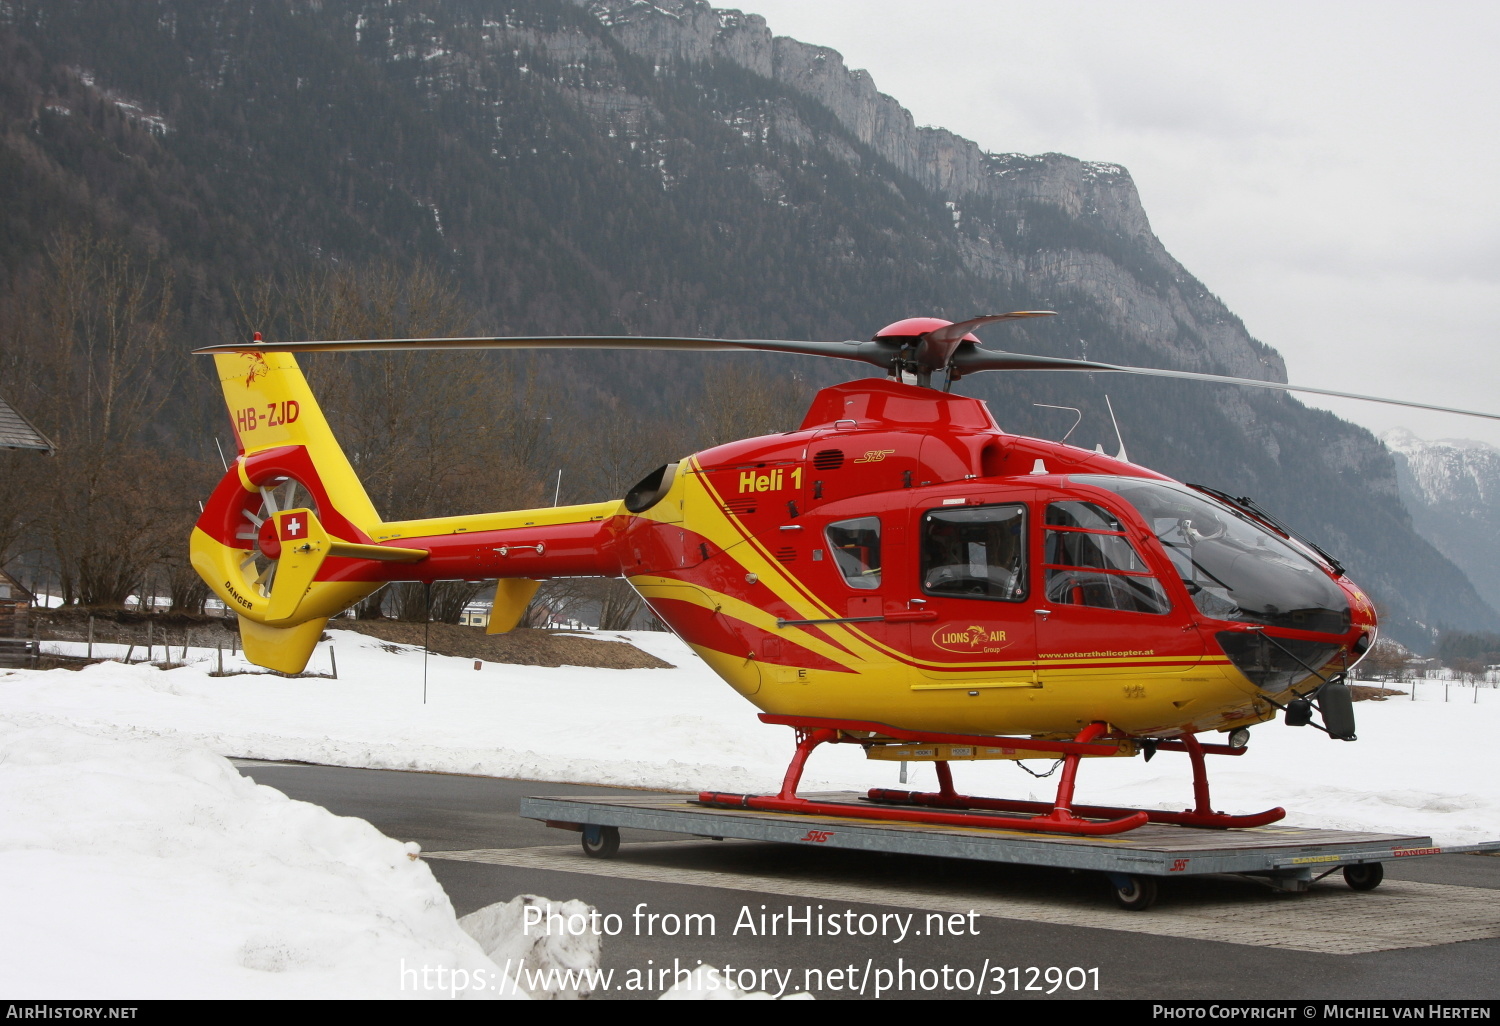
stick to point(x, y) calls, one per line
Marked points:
point(1056, 822)
point(1190, 817)
point(1061, 816)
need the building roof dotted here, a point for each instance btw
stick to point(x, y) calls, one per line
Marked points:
point(16, 432)
point(11, 590)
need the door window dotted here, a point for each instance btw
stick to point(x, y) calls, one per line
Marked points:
point(975, 552)
point(1234, 567)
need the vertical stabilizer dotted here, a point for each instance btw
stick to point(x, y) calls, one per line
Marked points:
point(271, 405)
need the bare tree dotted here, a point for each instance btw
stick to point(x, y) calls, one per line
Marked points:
point(1468, 670)
point(609, 448)
point(1386, 660)
point(619, 605)
point(86, 351)
point(741, 402)
point(445, 604)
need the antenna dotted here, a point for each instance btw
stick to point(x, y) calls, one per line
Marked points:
point(557, 493)
point(1071, 409)
point(221, 453)
point(1121, 454)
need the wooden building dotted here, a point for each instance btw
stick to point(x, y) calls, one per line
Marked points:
point(16, 649)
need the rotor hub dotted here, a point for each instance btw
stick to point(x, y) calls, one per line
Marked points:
point(268, 540)
point(915, 328)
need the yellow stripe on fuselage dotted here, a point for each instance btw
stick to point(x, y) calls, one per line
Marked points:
point(547, 516)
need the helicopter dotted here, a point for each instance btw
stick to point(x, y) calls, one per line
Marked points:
point(897, 573)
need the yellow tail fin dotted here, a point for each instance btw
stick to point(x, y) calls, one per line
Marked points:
point(270, 405)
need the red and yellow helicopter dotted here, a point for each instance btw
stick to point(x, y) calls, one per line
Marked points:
point(897, 573)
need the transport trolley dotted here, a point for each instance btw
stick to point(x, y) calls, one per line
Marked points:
point(1285, 858)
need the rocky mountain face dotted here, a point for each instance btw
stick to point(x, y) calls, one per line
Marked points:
point(995, 191)
point(662, 167)
point(1452, 487)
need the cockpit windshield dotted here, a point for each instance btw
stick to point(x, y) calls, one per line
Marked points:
point(1234, 567)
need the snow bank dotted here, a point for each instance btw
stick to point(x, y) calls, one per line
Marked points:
point(137, 864)
point(152, 869)
point(548, 949)
point(140, 869)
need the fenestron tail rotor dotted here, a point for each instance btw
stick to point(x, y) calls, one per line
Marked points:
point(258, 530)
point(920, 347)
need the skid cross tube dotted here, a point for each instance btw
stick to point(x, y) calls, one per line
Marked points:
point(1058, 818)
point(1201, 815)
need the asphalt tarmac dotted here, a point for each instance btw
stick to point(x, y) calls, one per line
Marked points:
point(899, 951)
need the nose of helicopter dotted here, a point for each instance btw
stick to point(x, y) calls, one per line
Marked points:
point(1364, 622)
point(1279, 608)
point(1285, 657)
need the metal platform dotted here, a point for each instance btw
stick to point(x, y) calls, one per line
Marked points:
point(1286, 858)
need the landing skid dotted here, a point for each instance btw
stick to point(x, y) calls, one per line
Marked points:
point(1061, 816)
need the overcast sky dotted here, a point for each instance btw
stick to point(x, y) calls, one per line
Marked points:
point(1330, 170)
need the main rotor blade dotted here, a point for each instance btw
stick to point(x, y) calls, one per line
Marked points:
point(879, 354)
point(971, 361)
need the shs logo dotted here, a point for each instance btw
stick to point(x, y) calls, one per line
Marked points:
point(816, 836)
point(974, 638)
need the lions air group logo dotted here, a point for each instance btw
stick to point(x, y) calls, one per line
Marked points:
point(971, 639)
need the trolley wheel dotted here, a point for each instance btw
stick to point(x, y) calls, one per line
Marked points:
point(1364, 876)
point(601, 842)
point(1133, 893)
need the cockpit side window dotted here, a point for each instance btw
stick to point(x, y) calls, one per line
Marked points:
point(855, 545)
point(1089, 562)
point(975, 552)
point(1233, 566)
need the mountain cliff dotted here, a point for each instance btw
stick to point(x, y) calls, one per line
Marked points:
point(1452, 487)
point(595, 166)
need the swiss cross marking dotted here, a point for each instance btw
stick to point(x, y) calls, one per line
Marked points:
point(294, 528)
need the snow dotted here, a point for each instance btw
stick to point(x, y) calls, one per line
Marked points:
point(151, 869)
point(551, 949)
point(1403, 440)
point(136, 862)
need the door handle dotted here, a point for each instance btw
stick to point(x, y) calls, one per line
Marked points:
point(1043, 612)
